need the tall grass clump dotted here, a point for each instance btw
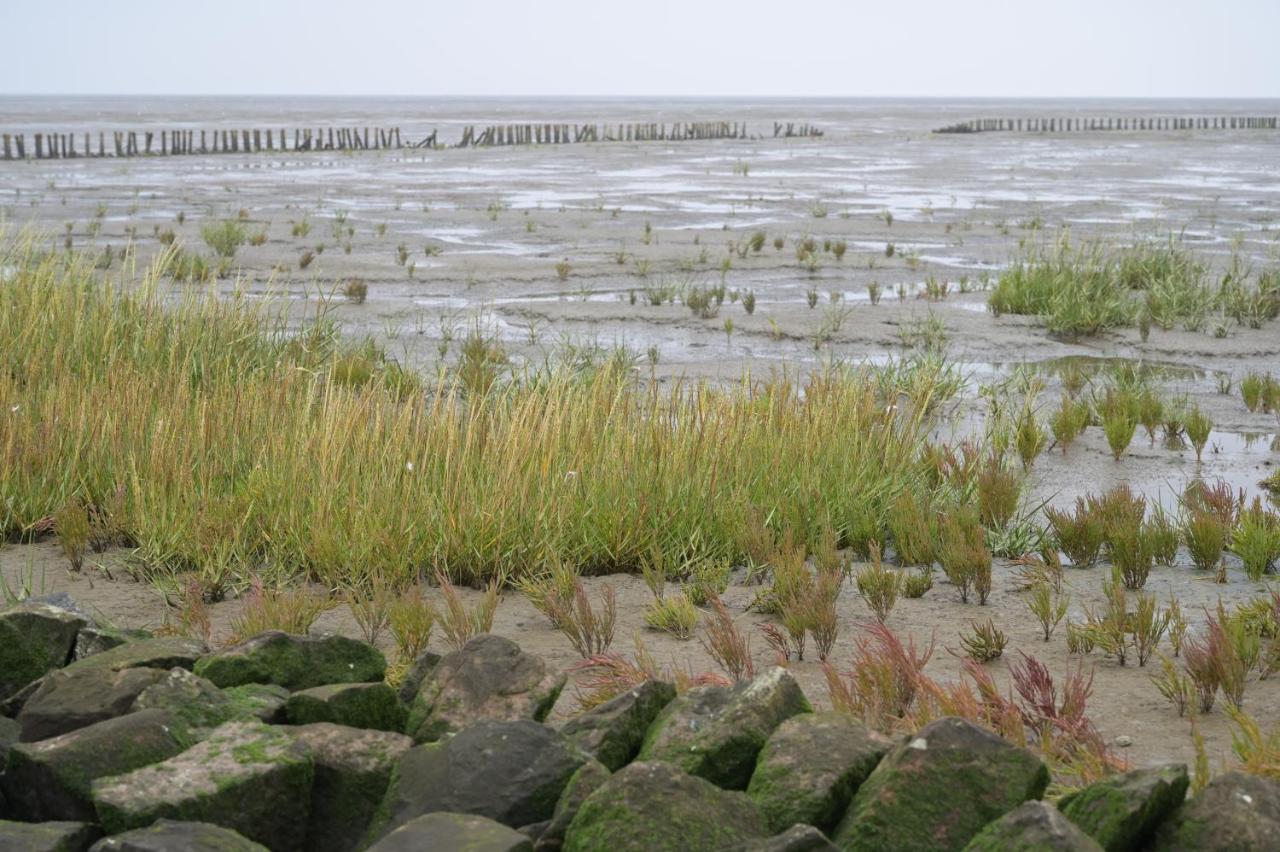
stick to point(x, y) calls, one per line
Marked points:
point(219, 440)
point(1074, 289)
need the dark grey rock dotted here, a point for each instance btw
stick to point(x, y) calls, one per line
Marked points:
point(450, 832)
point(1033, 826)
point(613, 732)
point(171, 836)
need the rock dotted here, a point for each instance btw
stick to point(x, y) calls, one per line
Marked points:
point(1121, 812)
point(1033, 826)
point(47, 836)
point(1236, 811)
point(352, 768)
point(93, 639)
point(613, 732)
point(810, 768)
point(163, 652)
point(246, 776)
point(417, 673)
point(798, 838)
point(12, 706)
point(171, 836)
point(550, 835)
point(716, 732)
point(448, 832)
point(35, 638)
point(358, 705)
point(650, 805)
point(262, 701)
point(487, 678)
point(50, 779)
point(294, 662)
point(75, 697)
point(10, 733)
point(511, 772)
point(939, 789)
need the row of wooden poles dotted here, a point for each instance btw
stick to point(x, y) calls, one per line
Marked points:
point(128, 143)
point(559, 134)
point(122, 143)
point(1072, 124)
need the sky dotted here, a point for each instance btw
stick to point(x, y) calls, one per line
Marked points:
point(891, 48)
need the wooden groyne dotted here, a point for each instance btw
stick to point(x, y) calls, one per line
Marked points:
point(128, 143)
point(1078, 124)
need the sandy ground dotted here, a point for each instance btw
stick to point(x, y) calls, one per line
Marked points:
point(485, 230)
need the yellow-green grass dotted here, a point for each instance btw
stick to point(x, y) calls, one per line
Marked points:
point(214, 438)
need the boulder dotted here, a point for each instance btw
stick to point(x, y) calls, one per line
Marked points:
point(294, 662)
point(246, 776)
point(1235, 811)
point(487, 678)
point(613, 732)
point(10, 733)
point(448, 832)
point(797, 838)
point(93, 639)
point(650, 805)
point(716, 732)
point(35, 638)
point(358, 705)
point(352, 769)
point(939, 789)
point(162, 652)
point(51, 779)
point(549, 836)
point(810, 768)
point(47, 836)
point(75, 697)
point(1121, 812)
point(1033, 826)
point(511, 772)
point(417, 673)
point(170, 836)
point(262, 701)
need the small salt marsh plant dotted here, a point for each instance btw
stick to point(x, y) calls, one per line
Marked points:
point(225, 237)
point(1048, 606)
point(983, 642)
point(1252, 387)
point(1079, 533)
point(874, 292)
point(1198, 426)
point(1148, 624)
point(292, 610)
point(1256, 540)
point(1150, 413)
point(749, 302)
point(878, 585)
point(302, 228)
point(1029, 435)
point(563, 268)
point(1206, 536)
point(356, 290)
point(1119, 425)
point(998, 490)
point(589, 629)
point(1164, 536)
point(305, 259)
point(1068, 421)
point(674, 614)
point(911, 527)
point(1175, 686)
point(546, 589)
point(457, 622)
point(72, 526)
point(410, 617)
point(369, 599)
point(963, 554)
point(916, 583)
point(726, 644)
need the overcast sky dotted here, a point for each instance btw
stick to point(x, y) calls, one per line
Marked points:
point(1173, 48)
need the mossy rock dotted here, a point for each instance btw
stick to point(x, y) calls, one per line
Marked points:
point(352, 769)
point(51, 779)
point(35, 639)
point(488, 678)
point(1033, 826)
point(294, 662)
point(939, 789)
point(47, 836)
point(584, 782)
point(357, 705)
point(1235, 811)
point(168, 835)
point(94, 639)
point(262, 701)
point(247, 776)
point(511, 772)
point(717, 732)
point(797, 838)
point(75, 697)
point(1121, 812)
point(613, 732)
point(810, 768)
point(160, 652)
point(655, 805)
point(446, 832)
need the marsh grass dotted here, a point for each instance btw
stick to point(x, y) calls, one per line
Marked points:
point(1079, 533)
point(878, 586)
point(293, 610)
point(963, 554)
point(1256, 540)
point(675, 614)
point(984, 641)
point(225, 237)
